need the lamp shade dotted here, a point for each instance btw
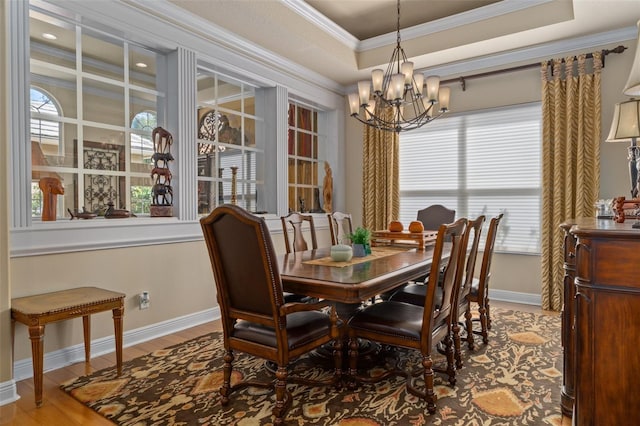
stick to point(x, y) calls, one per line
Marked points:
point(626, 122)
point(632, 88)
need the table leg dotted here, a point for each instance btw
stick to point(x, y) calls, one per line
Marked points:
point(36, 334)
point(117, 325)
point(86, 326)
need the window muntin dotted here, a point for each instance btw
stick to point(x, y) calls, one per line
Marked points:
point(229, 141)
point(103, 155)
point(485, 162)
point(303, 158)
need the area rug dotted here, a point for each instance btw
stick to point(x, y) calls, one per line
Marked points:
point(514, 380)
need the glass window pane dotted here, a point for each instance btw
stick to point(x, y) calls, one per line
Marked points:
point(206, 89)
point(103, 103)
point(52, 41)
point(304, 119)
point(103, 156)
point(102, 56)
point(140, 195)
point(142, 67)
point(249, 132)
point(231, 129)
point(207, 196)
point(53, 190)
point(292, 142)
point(304, 145)
point(100, 189)
point(305, 169)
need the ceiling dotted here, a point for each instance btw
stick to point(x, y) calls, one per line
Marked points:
point(344, 40)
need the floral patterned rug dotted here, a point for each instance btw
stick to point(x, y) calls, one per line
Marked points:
point(514, 380)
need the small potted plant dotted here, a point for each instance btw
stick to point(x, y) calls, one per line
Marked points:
point(361, 241)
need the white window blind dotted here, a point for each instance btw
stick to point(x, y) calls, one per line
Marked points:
point(485, 162)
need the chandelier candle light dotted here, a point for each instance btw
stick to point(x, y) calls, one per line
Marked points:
point(399, 99)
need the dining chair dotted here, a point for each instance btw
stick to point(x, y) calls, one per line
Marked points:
point(296, 221)
point(255, 319)
point(462, 304)
point(435, 215)
point(414, 327)
point(431, 217)
point(340, 225)
point(479, 293)
point(415, 293)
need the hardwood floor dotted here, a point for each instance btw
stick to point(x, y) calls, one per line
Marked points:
point(60, 409)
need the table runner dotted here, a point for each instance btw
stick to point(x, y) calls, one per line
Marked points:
point(376, 253)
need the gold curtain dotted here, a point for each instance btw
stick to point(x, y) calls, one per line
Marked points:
point(380, 178)
point(571, 114)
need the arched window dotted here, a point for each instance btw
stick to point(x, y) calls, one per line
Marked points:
point(45, 138)
point(141, 143)
point(142, 125)
point(44, 131)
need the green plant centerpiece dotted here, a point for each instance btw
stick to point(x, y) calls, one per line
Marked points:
point(361, 241)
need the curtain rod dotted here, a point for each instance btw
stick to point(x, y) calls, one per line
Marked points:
point(463, 79)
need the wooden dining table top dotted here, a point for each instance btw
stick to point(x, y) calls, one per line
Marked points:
point(354, 283)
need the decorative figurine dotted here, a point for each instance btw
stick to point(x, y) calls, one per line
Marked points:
point(162, 191)
point(327, 189)
point(112, 213)
point(618, 209)
point(51, 187)
point(84, 214)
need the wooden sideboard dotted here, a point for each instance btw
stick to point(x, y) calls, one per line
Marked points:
point(601, 336)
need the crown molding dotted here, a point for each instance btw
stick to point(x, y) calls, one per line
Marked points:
point(231, 42)
point(303, 9)
point(536, 52)
point(465, 18)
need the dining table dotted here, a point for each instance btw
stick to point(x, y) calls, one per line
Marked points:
point(349, 284)
point(313, 273)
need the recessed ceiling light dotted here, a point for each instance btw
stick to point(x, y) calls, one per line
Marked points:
point(141, 65)
point(49, 36)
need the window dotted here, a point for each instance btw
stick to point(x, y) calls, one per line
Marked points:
point(102, 88)
point(43, 130)
point(231, 143)
point(93, 105)
point(303, 158)
point(142, 149)
point(485, 162)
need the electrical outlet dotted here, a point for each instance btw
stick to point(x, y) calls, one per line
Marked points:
point(144, 300)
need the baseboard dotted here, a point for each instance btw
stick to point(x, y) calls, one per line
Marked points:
point(515, 297)
point(8, 392)
point(23, 369)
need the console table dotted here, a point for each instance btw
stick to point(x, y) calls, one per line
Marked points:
point(605, 365)
point(38, 310)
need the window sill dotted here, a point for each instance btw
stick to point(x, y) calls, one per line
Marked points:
point(67, 236)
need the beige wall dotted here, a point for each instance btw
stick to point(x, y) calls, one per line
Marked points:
point(177, 276)
point(517, 273)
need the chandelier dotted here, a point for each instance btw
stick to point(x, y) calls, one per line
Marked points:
point(398, 99)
